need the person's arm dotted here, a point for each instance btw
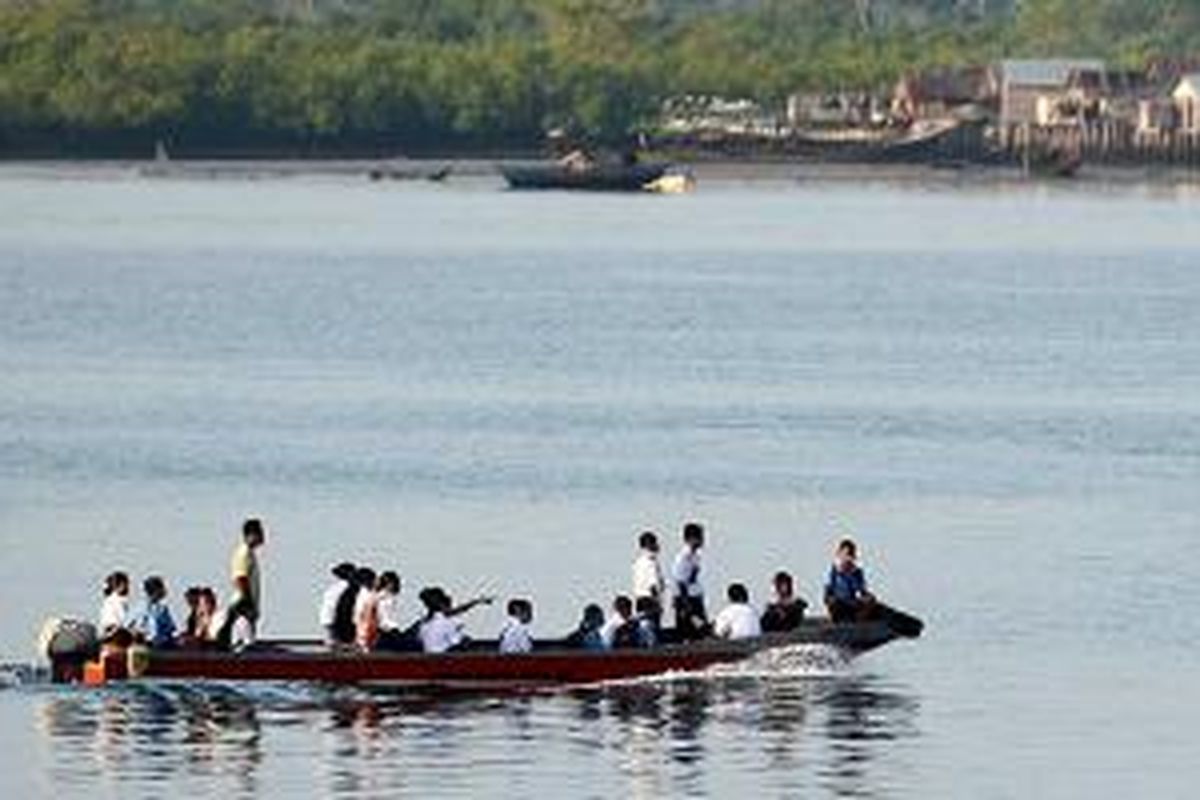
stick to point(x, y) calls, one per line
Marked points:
point(483, 600)
point(723, 627)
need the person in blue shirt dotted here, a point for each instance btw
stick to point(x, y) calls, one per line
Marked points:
point(587, 636)
point(846, 595)
point(154, 624)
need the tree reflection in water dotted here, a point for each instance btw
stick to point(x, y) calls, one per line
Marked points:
point(833, 735)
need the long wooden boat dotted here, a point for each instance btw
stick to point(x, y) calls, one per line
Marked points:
point(596, 178)
point(551, 662)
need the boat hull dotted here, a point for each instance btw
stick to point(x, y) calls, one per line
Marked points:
point(549, 664)
point(631, 178)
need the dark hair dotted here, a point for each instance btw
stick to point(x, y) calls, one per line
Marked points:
point(738, 594)
point(849, 546)
point(645, 605)
point(345, 571)
point(114, 580)
point(783, 577)
point(207, 593)
point(518, 606)
point(623, 605)
point(365, 576)
point(153, 586)
point(693, 531)
point(434, 598)
point(648, 541)
point(191, 595)
point(252, 527)
point(593, 615)
point(388, 579)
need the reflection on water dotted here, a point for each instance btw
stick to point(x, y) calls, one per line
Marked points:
point(831, 735)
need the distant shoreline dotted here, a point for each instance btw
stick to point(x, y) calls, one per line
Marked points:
point(419, 170)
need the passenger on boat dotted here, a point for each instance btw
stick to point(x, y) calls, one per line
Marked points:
point(691, 619)
point(516, 636)
point(588, 636)
point(364, 578)
point(343, 630)
point(846, 595)
point(647, 615)
point(192, 632)
point(392, 636)
point(738, 620)
point(620, 630)
point(114, 611)
point(786, 611)
point(438, 631)
point(154, 624)
point(366, 611)
point(343, 578)
point(245, 572)
point(648, 581)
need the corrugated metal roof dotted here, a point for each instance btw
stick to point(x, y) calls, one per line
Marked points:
point(1046, 72)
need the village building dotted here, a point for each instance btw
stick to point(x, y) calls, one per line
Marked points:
point(945, 92)
point(1030, 90)
point(1186, 98)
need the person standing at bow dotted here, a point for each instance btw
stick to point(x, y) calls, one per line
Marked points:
point(245, 574)
point(691, 620)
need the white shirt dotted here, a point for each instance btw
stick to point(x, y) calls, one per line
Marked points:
point(737, 621)
point(439, 634)
point(609, 631)
point(387, 611)
point(114, 612)
point(685, 572)
point(647, 576)
point(515, 638)
point(329, 601)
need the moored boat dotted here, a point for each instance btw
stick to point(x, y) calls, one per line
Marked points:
point(592, 177)
point(551, 662)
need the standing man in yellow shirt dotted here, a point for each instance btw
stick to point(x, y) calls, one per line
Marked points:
point(243, 568)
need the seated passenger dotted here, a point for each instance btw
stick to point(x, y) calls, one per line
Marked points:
point(364, 577)
point(786, 611)
point(738, 620)
point(114, 611)
point(648, 612)
point(204, 615)
point(846, 595)
point(154, 624)
point(516, 637)
point(366, 611)
point(343, 631)
point(437, 631)
point(588, 636)
point(192, 632)
point(343, 577)
point(620, 629)
point(392, 636)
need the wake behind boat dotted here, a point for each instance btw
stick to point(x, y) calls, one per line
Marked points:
point(550, 663)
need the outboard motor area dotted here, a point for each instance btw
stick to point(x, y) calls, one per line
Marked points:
point(68, 644)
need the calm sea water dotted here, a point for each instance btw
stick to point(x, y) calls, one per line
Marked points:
point(995, 389)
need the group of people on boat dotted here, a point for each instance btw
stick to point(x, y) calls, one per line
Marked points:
point(360, 609)
point(207, 624)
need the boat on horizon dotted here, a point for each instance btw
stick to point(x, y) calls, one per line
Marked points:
point(478, 665)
